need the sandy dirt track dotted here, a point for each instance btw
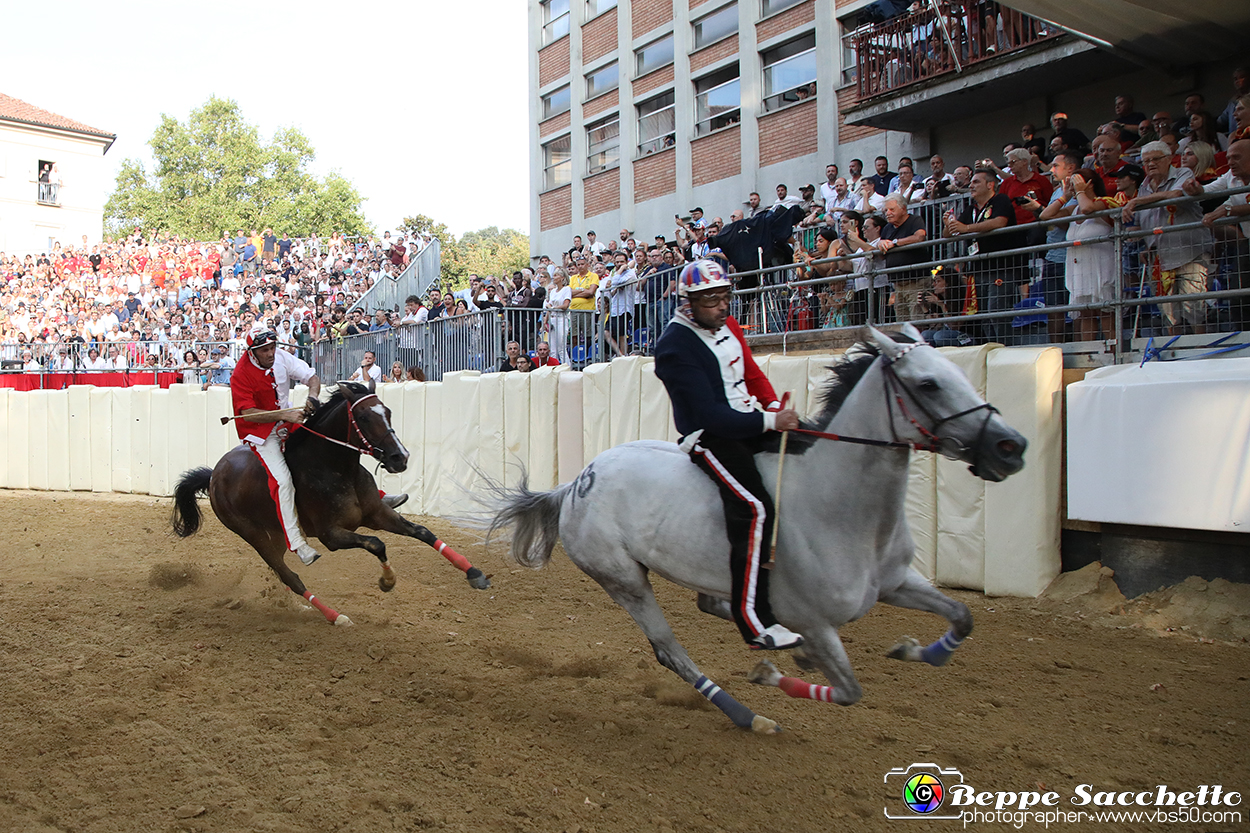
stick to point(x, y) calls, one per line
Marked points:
point(157, 684)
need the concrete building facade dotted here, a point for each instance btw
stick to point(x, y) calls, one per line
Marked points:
point(53, 179)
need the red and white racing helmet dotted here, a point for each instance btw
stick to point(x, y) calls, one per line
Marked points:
point(261, 337)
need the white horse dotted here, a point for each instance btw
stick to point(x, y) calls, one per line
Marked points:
point(843, 540)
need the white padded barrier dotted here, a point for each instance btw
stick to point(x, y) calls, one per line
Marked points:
point(218, 438)
point(921, 508)
point(412, 434)
point(158, 445)
point(1022, 523)
point(119, 440)
point(432, 477)
point(79, 440)
point(140, 440)
point(391, 395)
point(961, 496)
point(1164, 444)
point(58, 440)
point(460, 401)
point(491, 454)
point(37, 439)
point(624, 400)
point(544, 407)
point(195, 427)
point(569, 422)
point(655, 416)
point(19, 462)
point(179, 459)
point(596, 418)
point(5, 393)
point(101, 439)
point(516, 425)
point(790, 373)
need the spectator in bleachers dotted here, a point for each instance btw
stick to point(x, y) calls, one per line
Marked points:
point(904, 229)
point(1090, 269)
point(881, 179)
point(868, 201)
point(1225, 123)
point(996, 279)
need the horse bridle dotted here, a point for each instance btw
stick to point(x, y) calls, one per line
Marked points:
point(894, 388)
point(365, 447)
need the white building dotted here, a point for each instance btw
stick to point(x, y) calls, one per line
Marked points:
point(53, 180)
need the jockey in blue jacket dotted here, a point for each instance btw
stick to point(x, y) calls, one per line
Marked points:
point(723, 406)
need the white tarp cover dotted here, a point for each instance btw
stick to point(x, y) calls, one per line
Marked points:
point(1167, 444)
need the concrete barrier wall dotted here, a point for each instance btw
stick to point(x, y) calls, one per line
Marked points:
point(1002, 538)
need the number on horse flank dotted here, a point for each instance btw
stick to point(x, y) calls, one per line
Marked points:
point(845, 502)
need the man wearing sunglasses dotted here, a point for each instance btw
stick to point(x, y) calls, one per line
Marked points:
point(723, 405)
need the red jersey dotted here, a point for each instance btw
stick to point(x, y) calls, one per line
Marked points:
point(252, 387)
point(1037, 187)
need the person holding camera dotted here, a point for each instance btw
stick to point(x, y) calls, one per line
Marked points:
point(1028, 191)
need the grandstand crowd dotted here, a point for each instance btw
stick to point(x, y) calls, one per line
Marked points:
point(182, 305)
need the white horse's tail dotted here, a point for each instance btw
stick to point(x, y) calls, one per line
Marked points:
point(535, 516)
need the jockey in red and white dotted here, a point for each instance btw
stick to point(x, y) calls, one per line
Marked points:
point(723, 406)
point(261, 390)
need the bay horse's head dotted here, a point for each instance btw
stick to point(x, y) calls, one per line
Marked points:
point(369, 427)
point(933, 403)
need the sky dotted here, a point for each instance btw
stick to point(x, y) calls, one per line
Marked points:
point(421, 105)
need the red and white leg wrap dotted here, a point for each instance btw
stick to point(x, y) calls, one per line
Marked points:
point(459, 561)
point(795, 687)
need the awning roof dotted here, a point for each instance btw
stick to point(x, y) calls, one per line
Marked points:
point(1164, 33)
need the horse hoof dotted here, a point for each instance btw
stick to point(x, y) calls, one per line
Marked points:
point(907, 650)
point(343, 621)
point(761, 725)
point(386, 585)
point(477, 580)
point(764, 673)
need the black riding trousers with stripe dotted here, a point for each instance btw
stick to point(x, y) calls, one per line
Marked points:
point(748, 521)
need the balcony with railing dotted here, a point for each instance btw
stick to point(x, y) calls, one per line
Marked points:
point(939, 39)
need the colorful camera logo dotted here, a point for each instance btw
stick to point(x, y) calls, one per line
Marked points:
point(921, 790)
point(923, 793)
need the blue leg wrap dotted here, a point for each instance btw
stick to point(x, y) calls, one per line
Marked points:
point(939, 652)
point(738, 713)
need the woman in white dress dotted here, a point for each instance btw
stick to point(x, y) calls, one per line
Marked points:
point(556, 316)
point(1090, 268)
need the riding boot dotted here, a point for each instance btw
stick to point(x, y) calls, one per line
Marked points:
point(395, 501)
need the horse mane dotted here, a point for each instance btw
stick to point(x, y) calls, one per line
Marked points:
point(327, 408)
point(844, 374)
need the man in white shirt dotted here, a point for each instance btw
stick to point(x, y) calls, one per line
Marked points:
point(828, 189)
point(368, 366)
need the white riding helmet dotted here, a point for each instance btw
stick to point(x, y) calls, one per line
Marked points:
point(701, 275)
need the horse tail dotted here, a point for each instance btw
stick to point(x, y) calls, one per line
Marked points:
point(186, 516)
point(536, 517)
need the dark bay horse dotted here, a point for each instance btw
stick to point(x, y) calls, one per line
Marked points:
point(335, 495)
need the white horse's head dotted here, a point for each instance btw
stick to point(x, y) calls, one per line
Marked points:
point(932, 401)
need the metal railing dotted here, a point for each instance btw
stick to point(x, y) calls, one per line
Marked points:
point(977, 297)
point(915, 47)
point(83, 360)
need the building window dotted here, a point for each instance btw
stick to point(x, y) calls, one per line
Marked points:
point(717, 25)
point(49, 183)
point(598, 7)
point(850, 59)
point(657, 124)
point(555, 20)
point(717, 100)
point(789, 72)
point(556, 102)
point(558, 162)
point(603, 142)
point(602, 80)
point(774, 6)
point(654, 55)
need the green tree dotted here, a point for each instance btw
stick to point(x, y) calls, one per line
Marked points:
point(488, 251)
point(214, 174)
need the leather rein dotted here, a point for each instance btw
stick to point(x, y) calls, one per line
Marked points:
point(365, 447)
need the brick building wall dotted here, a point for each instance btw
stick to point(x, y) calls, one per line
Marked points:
point(599, 37)
point(553, 125)
point(711, 54)
point(553, 62)
point(655, 175)
point(555, 208)
point(717, 156)
point(851, 132)
point(602, 192)
point(787, 20)
point(788, 133)
point(598, 105)
point(653, 80)
point(650, 14)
